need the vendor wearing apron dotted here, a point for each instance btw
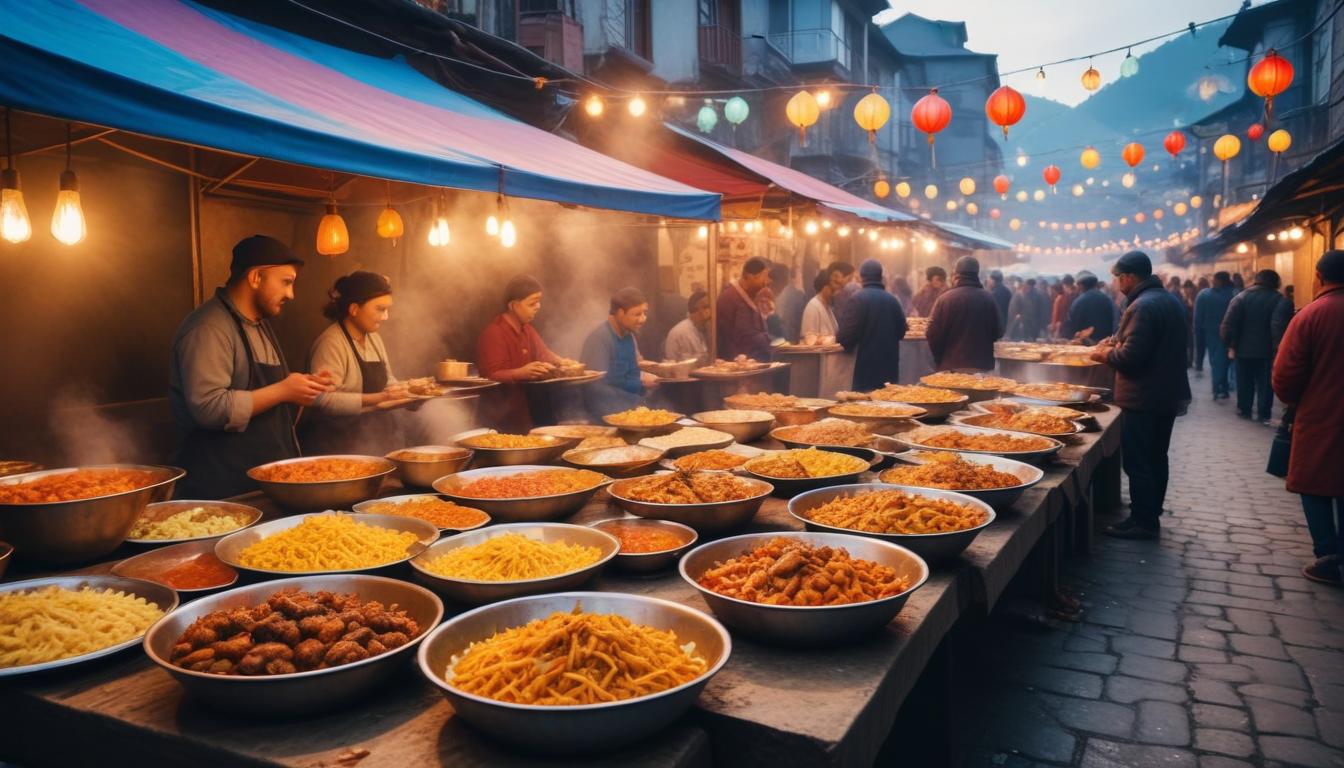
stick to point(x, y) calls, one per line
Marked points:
point(230, 391)
point(611, 347)
point(511, 351)
point(352, 352)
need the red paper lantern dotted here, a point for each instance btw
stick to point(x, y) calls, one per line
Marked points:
point(931, 114)
point(1269, 77)
point(994, 213)
point(1132, 153)
point(1051, 175)
point(1255, 131)
point(1005, 107)
point(1174, 142)
point(1001, 185)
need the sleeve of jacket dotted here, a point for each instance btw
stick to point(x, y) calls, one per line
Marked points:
point(1230, 327)
point(900, 326)
point(1278, 323)
point(1135, 354)
point(936, 332)
point(330, 353)
point(1293, 363)
point(851, 321)
point(1000, 325)
point(1201, 309)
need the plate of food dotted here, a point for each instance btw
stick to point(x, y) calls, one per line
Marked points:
point(313, 483)
point(326, 542)
point(1054, 393)
point(643, 420)
point(716, 460)
point(705, 501)
point(688, 440)
point(1028, 420)
point(788, 410)
point(976, 386)
point(794, 471)
point(827, 432)
point(174, 522)
point(191, 568)
point(738, 366)
point(936, 525)
point(878, 417)
point(615, 460)
point(1013, 445)
point(433, 509)
point(523, 493)
point(568, 372)
point(745, 425)
point(575, 433)
point(498, 449)
point(647, 545)
point(995, 480)
point(938, 402)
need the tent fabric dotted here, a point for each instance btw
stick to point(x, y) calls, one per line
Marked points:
point(974, 238)
point(180, 71)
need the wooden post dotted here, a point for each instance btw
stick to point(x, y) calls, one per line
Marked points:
point(712, 288)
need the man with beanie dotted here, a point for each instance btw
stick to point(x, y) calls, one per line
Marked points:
point(873, 324)
point(1002, 296)
point(232, 394)
point(964, 323)
point(1247, 331)
point(1148, 356)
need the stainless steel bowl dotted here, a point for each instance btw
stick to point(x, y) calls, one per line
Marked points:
point(704, 518)
point(933, 547)
point(327, 494)
point(977, 419)
point(936, 410)
point(301, 693)
point(788, 487)
point(1070, 395)
point(880, 425)
point(370, 508)
point(6, 554)
point(677, 451)
point(513, 457)
point(530, 509)
point(62, 532)
point(742, 431)
point(879, 444)
point(589, 728)
point(805, 625)
point(156, 561)
point(472, 592)
point(912, 439)
point(162, 510)
point(649, 562)
point(230, 548)
point(973, 394)
point(573, 434)
point(422, 474)
point(639, 457)
point(162, 597)
point(999, 498)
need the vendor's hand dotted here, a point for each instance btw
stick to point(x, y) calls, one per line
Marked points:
point(648, 380)
point(1101, 353)
point(395, 391)
point(535, 370)
point(303, 388)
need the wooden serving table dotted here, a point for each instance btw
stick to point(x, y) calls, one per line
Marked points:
point(768, 706)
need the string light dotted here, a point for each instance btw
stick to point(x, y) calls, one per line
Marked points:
point(67, 221)
point(439, 234)
point(333, 238)
point(1130, 66)
point(15, 226)
point(637, 106)
point(702, 232)
point(593, 106)
point(390, 225)
point(508, 234)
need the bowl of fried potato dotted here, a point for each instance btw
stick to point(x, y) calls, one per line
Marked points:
point(936, 525)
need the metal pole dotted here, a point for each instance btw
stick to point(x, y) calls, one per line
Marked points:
point(712, 282)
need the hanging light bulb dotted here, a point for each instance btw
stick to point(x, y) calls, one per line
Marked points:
point(67, 221)
point(1130, 66)
point(637, 106)
point(439, 234)
point(593, 106)
point(1040, 81)
point(15, 225)
point(492, 225)
point(842, 230)
point(1127, 180)
point(1021, 160)
point(389, 226)
point(1038, 195)
point(810, 227)
point(333, 238)
point(508, 234)
point(1091, 78)
point(823, 97)
point(736, 110)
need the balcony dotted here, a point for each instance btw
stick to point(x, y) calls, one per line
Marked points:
point(553, 36)
point(721, 48)
point(804, 47)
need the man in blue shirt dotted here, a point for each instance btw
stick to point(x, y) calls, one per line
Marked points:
point(1210, 307)
point(611, 347)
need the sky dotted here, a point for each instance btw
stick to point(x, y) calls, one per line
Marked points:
point(1025, 33)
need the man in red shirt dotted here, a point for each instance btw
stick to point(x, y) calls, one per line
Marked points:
point(511, 351)
point(741, 323)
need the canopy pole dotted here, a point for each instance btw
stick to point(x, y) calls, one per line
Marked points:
point(712, 288)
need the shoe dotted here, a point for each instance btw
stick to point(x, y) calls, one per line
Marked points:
point(1325, 570)
point(1131, 529)
point(1243, 415)
point(1270, 423)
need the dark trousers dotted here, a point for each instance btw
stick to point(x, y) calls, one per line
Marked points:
point(1253, 385)
point(1145, 437)
point(1218, 362)
point(1198, 338)
point(1325, 522)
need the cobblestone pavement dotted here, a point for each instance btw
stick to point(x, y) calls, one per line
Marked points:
point(1206, 649)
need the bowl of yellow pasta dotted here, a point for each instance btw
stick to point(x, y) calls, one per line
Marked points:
point(175, 522)
point(507, 561)
point(326, 542)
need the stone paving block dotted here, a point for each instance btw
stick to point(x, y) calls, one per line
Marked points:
point(1255, 593)
point(1145, 646)
point(1028, 729)
point(1330, 725)
point(1328, 696)
point(1127, 690)
point(1275, 717)
point(1256, 645)
point(1220, 625)
point(1273, 672)
point(1216, 716)
point(1101, 717)
point(1231, 673)
point(1321, 664)
point(1218, 761)
point(1204, 610)
point(1066, 681)
point(1253, 620)
point(1290, 696)
point(1110, 754)
point(1194, 653)
point(1296, 751)
point(1223, 742)
point(1206, 638)
point(1100, 663)
point(1215, 691)
point(1150, 668)
point(1161, 722)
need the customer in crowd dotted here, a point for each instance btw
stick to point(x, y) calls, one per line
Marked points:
point(1309, 377)
point(1188, 299)
point(1059, 315)
point(965, 322)
point(689, 339)
point(1210, 307)
point(846, 284)
point(900, 288)
point(1043, 301)
point(1148, 356)
point(1197, 346)
point(935, 282)
point(1023, 317)
point(1002, 296)
point(789, 301)
point(1247, 331)
point(837, 370)
point(872, 327)
point(1283, 314)
point(1091, 315)
point(1238, 282)
point(740, 325)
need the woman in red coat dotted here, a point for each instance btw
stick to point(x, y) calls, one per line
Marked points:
point(1309, 374)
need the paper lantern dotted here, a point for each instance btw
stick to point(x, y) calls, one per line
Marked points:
point(902, 189)
point(1180, 209)
point(1128, 180)
point(871, 113)
point(1090, 158)
point(931, 191)
point(995, 213)
point(951, 205)
point(967, 186)
point(882, 188)
point(1014, 224)
point(802, 111)
point(1051, 175)
point(1001, 185)
point(1038, 195)
point(389, 224)
point(1196, 201)
point(1005, 107)
point(1132, 153)
point(706, 119)
point(1174, 142)
point(1021, 196)
point(333, 238)
point(736, 110)
point(1091, 78)
point(972, 209)
point(1255, 131)
point(931, 114)
point(1226, 147)
point(1158, 213)
point(1279, 141)
point(1268, 78)
point(1130, 66)
point(1140, 217)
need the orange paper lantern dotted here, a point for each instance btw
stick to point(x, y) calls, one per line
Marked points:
point(1051, 175)
point(931, 114)
point(1174, 142)
point(1001, 185)
point(1132, 153)
point(1005, 107)
point(1091, 78)
point(1268, 78)
point(1255, 131)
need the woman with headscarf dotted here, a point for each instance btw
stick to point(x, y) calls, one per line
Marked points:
point(511, 351)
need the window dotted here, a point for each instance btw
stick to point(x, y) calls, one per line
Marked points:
point(547, 6)
point(709, 13)
point(779, 17)
point(1320, 64)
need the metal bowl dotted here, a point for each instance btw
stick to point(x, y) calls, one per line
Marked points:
point(422, 474)
point(1040, 456)
point(805, 625)
point(639, 457)
point(163, 597)
point(530, 509)
point(301, 693)
point(973, 394)
point(162, 510)
point(704, 518)
point(1071, 395)
point(975, 420)
point(649, 562)
point(788, 487)
point(677, 451)
point(999, 498)
point(512, 457)
point(326, 494)
point(645, 431)
point(573, 434)
point(554, 730)
point(473, 592)
point(62, 532)
point(231, 547)
point(879, 443)
point(933, 547)
point(879, 425)
point(158, 560)
point(6, 554)
point(742, 431)
point(936, 410)
point(368, 507)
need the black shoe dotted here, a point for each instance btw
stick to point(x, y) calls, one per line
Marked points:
point(1243, 415)
point(1325, 570)
point(1129, 528)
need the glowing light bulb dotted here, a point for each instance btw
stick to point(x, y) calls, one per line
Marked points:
point(823, 98)
point(872, 235)
point(439, 234)
point(492, 225)
point(1021, 161)
point(637, 106)
point(930, 246)
point(1242, 248)
point(1127, 180)
point(1078, 190)
point(333, 237)
point(1040, 81)
point(810, 227)
point(1295, 233)
point(593, 106)
point(702, 232)
point(508, 234)
point(1130, 66)
point(842, 231)
point(15, 225)
point(67, 221)
point(1038, 195)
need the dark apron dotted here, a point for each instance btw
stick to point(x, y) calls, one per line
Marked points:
point(367, 432)
point(217, 461)
point(374, 372)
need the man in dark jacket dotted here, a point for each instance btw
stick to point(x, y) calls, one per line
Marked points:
point(1148, 356)
point(935, 282)
point(964, 323)
point(1002, 296)
point(1210, 306)
point(1092, 310)
point(1247, 331)
point(1023, 317)
point(740, 325)
point(874, 324)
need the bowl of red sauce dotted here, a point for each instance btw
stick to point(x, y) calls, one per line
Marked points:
point(191, 568)
point(647, 545)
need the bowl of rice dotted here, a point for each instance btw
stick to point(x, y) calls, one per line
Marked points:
point(174, 522)
point(746, 426)
point(326, 542)
point(507, 561)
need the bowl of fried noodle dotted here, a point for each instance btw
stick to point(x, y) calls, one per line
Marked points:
point(802, 469)
point(802, 588)
point(523, 494)
point(995, 480)
point(497, 449)
point(314, 483)
point(936, 525)
point(631, 665)
point(705, 501)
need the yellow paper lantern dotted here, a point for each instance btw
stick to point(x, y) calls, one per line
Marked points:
point(1279, 141)
point(389, 225)
point(881, 188)
point(871, 113)
point(333, 238)
point(1091, 78)
point(1090, 158)
point(931, 191)
point(1038, 195)
point(951, 205)
point(1226, 147)
point(1180, 209)
point(902, 189)
point(972, 208)
point(967, 186)
point(1127, 180)
point(1196, 201)
point(1014, 224)
point(1021, 196)
point(802, 111)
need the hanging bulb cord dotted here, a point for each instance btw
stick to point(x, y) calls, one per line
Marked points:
point(9, 143)
point(69, 137)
